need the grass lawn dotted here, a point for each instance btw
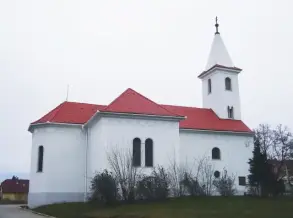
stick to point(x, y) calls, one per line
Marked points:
point(197, 207)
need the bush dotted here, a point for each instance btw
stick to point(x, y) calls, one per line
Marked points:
point(225, 185)
point(154, 187)
point(192, 186)
point(104, 188)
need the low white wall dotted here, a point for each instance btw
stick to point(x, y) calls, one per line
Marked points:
point(63, 175)
point(234, 148)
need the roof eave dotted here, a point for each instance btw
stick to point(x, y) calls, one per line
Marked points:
point(218, 131)
point(143, 115)
point(219, 67)
point(108, 113)
point(34, 125)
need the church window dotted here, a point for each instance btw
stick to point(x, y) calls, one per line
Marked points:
point(209, 86)
point(136, 153)
point(216, 174)
point(40, 159)
point(216, 154)
point(230, 112)
point(228, 84)
point(149, 153)
point(242, 180)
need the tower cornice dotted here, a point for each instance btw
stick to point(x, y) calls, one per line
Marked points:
point(219, 67)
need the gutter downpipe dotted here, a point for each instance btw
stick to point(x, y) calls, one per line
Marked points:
point(85, 164)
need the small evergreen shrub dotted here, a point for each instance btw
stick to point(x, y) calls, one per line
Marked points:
point(155, 186)
point(104, 188)
point(192, 186)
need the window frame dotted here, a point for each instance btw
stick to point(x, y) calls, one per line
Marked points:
point(209, 86)
point(40, 163)
point(230, 111)
point(217, 173)
point(152, 152)
point(240, 180)
point(134, 164)
point(219, 153)
point(228, 84)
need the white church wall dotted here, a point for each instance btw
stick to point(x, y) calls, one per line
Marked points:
point(220, 98)
point(234, 152)
point(117, 132)
point(62, 178)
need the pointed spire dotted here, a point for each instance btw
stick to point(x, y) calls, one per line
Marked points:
point(217, 26)
point(218, 53)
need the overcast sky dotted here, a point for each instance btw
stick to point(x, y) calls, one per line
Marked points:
point(157, 47)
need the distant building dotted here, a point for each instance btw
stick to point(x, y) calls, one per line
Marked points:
point(285, 171)
point(14, 189)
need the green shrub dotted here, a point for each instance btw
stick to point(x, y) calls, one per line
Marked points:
point(192, 186)
point(225, 185)
point(154, 187)
point(104, 188)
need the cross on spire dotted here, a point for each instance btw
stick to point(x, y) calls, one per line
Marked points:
point(217, 26)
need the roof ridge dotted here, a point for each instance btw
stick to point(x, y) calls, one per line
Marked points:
point(146, 98)
point(156, 103)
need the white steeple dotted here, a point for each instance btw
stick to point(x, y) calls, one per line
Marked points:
point(220, 87)
point(218, 53)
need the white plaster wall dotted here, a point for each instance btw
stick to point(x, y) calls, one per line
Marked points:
point(113, 132)
point(220, 98)
point(233, 147)
point(62, 178)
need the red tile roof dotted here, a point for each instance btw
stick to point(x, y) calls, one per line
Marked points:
point(131, 101)
point(71, 112)
point(15, 186)
point(134, 103)
point(206, 119)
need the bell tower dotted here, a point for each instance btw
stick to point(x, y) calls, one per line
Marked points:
point(220, 88)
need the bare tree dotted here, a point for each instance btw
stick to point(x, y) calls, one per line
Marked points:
point(225, 185)
point(277, 144)
point(205, 175)
point(177, 173)
point(194, 179)
point(126, 175)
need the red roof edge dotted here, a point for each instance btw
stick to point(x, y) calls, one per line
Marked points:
point(53, 113)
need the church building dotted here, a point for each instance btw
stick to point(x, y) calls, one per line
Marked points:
point(70, 143)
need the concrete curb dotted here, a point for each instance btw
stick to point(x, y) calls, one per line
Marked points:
point(37, 213)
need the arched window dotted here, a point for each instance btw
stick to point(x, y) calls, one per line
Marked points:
point(136, 152)
point(40, 159)
point(149, 153)
point(230, 112)
point(228, 84)
point(216, 174)
point(216, 154)
point(209, 86)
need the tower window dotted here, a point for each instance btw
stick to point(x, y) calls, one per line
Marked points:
point(149, 153)
point(228, 84)
point(136, 152)
point(209, 86)
point(40, 159)
point(216, 154)
point(230, 112)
